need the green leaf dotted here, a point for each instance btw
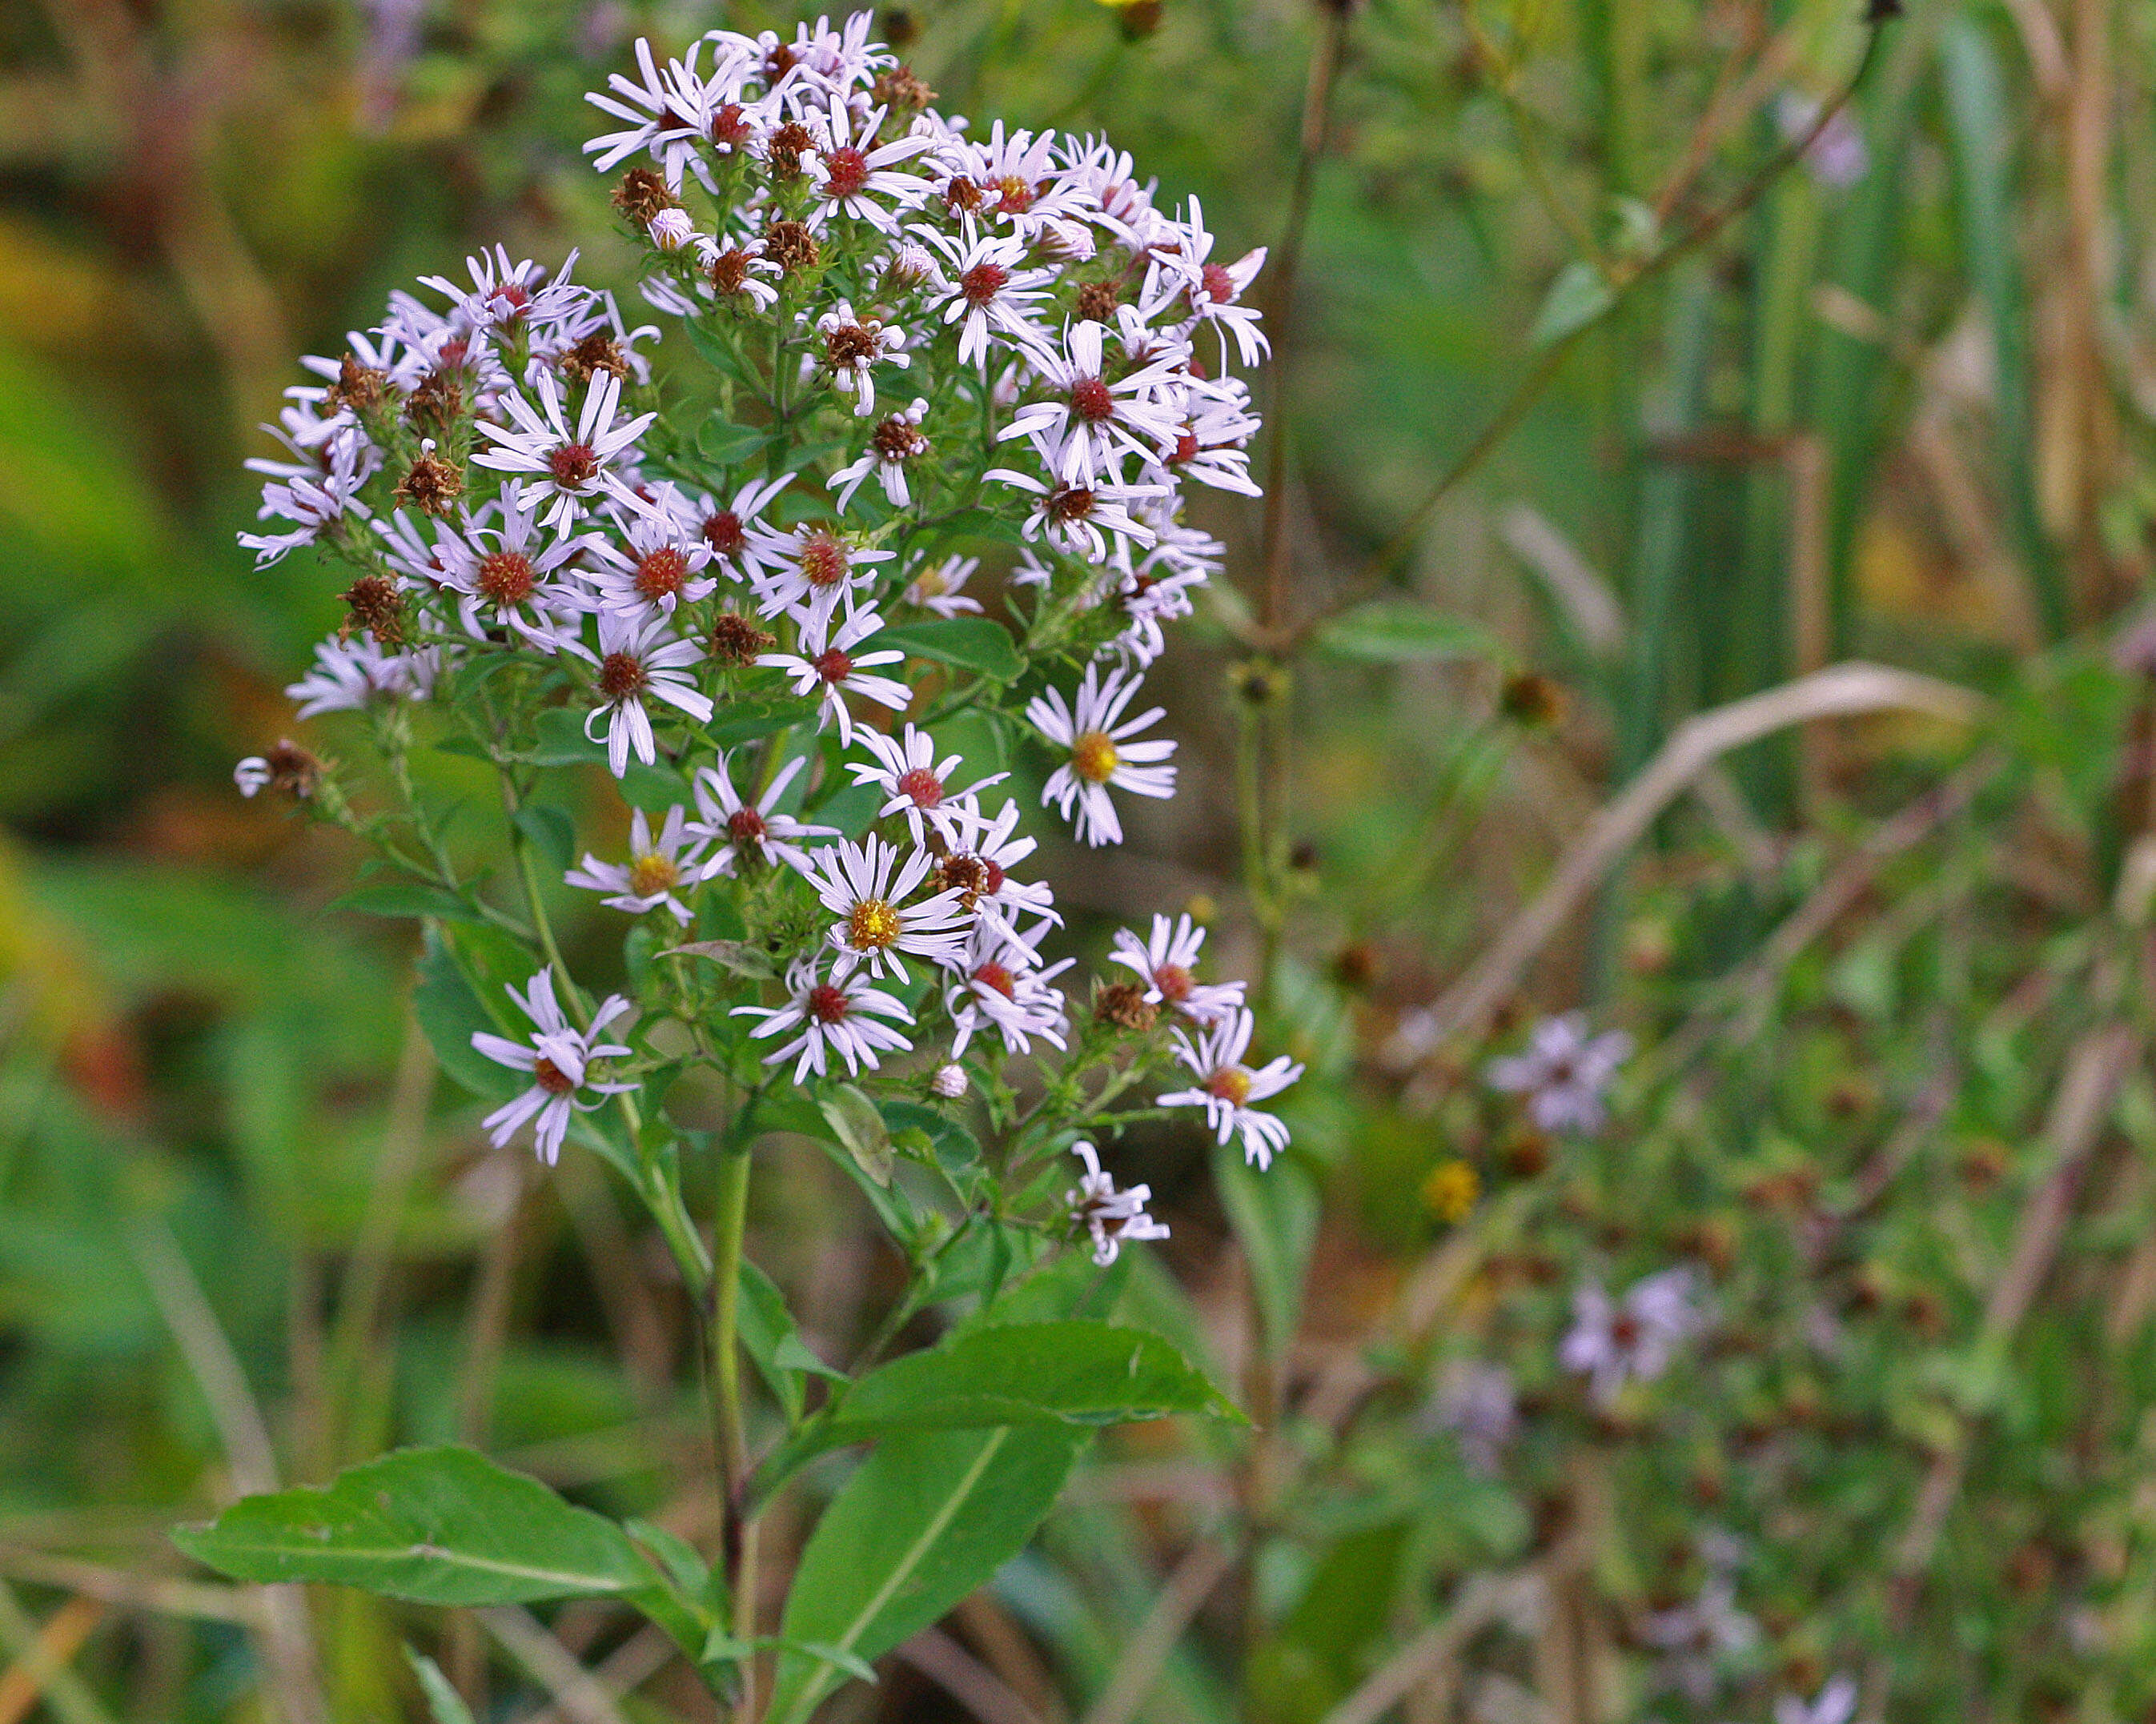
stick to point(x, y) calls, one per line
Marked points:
point(970, 643)
point(1981, 133)
point(768, 1331)
point(852, 809)
point(449, 1012)
point(1275, 1216)
point(654, 788)
point(976, 524)
point(405, 897)
point(1579, 297)
point(435, 1526)
point(726, 444)
point(738, 721)
point(444, 1703)
point(1073, 1372)
point(738, 955)
point(721, 1647)
point(929, 1517)
point(1391, 631)
point(860, 1130)
point(553, 832)
point(1063, 1372)
point(562, 741)
point(686, 1568)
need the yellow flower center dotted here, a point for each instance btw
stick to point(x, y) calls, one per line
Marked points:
point(649, 876)
point(1093, 757)
point(873, 926)
point(1231, 1084)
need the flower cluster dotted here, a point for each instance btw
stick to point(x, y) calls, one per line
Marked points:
point(932, 349)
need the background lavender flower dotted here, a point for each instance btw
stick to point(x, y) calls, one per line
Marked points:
point(1563, 1073)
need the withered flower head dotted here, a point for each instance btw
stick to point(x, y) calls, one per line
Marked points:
point(1124, 1005)
point(791, 246)
point(642, 194)
point(736, 641)
point(898, 90)
point(376, 607)
point(598, 351)
point(432, 486)
point(357, 386)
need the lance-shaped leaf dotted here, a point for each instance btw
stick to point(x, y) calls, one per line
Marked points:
point(930, 1516)
point(436, 1525)
point(969, 642)
point(1071, 1373)
point(1388, 631)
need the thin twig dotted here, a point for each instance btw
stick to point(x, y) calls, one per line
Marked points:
point(240, 1428)
point(366, 1274)
point(1530, 387)
point(2097, 1067)
point(1482, 1601)
point(966, 1679)
point(1147, 1652)
point(136, 1592)
point(287, 1636)
point(1834, 896)
point(1280, 295)
point(40, 1663)
point(581, 1696)
point(1841, 691)
point(624, 1670)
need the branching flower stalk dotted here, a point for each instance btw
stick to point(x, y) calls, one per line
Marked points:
point(937, 352)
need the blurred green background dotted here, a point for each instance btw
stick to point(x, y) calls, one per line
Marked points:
point(1896, 405)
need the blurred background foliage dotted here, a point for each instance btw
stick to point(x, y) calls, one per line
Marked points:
point(1894, 405)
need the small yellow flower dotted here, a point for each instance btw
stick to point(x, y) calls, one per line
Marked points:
point(1450, 1191)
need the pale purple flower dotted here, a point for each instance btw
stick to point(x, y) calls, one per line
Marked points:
point(861, 176)
point(983, 850)
point(575, 468)
point(985, 288)
point(1563, 1073)
point(914, 781)
point(831, 663)
point(1082, 519)
point(558, 1057)
point(661, 566)
point(1834, 1704)
point(1838, 157)
point(354, 672)
point(866, 886)
point(1111, 1217)
point(1695, 1638)
point(749, 832)
point(315, 504)
point(940, 587)
point(1103, 750)
point(1615, 1342)
point(656, 870)
point(838, 1014)
point(998, 984)
point(894, 445)
point(1167, 963)
point(638, 662)
point(1226, 1087)
point(853, 347)
point(1090, 420)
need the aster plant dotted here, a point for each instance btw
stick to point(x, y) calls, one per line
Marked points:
point(558, 568)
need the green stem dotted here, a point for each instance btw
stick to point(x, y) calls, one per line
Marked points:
point(728, 1430)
